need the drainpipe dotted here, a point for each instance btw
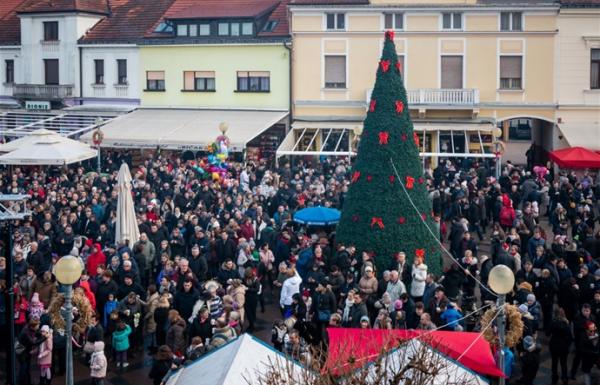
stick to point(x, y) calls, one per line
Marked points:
point(80, 76)
point(289, 48)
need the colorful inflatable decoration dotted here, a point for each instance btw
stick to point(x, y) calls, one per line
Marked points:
point(215, 166)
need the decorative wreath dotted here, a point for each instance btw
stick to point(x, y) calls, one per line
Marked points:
point(514, 326)
point(83, 306)
point(97, 137)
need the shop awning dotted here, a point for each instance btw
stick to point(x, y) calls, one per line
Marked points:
point(181, 129)
point(335, 138)
point(582, 134)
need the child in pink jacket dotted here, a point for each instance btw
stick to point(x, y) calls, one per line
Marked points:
point(44, 357)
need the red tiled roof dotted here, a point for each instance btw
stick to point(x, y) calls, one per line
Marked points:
point(196, 9)
point(42, 6)
point(129, 20)
point(328, 2)
point(10, 25)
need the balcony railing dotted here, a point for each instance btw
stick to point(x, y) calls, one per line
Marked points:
point(439, 97)
point(42, 91)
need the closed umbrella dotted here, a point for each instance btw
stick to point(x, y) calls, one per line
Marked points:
point(317, 216)
point(127, 227)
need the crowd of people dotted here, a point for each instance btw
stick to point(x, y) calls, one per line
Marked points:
point(211, 254)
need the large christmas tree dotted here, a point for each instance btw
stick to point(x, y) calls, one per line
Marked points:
point(378, 216)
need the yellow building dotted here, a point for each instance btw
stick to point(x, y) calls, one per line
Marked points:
point(578, 74)
point(469, 66)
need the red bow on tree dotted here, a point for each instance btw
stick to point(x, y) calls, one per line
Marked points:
point(389, 35)
point(424, 216)
point(410, 181)
point(401, 220)
point(385, 65)
point(355, 176)
point(399, 67)
point(383, 137)
point(377, 221)
point(369, 177)
point(372, 105)
point(399, 106)
point(404, 137)
point(421, 180)
point(416, 139)
point(420, 253)
point(392, 178)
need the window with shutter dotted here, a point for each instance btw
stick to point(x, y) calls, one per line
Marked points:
point(335, 71)
point(199, 81)
point(511, 72)
point(595, 69)
point(253, 81)
point(155, 80)
point(452, 72)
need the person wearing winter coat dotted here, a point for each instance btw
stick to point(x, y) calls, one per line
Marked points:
point(290, 287)
point(251, 298)
point(507, 213)
point(451, 317)
point(36, 307)
point(98, 364)
point(469, 270)
point(201, 326)
point(44, 356)
point(560, 343)
point(530, 360)
point(176, 333)
point(161, 364)
point(96, 258)
point(45, 287)
point(120, 343)
point(545, 290)
point(149, 322)
point(358, 310)
point(237, 291)
point(419, 276)
point(186, 299)
point(223, 333)
point(589, 347)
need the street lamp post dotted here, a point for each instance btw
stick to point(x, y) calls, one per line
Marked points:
point(68, 271)
point(97, 139)
point(501, 281)
point(497, 145)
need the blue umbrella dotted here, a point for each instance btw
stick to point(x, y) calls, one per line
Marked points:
point(317, 216)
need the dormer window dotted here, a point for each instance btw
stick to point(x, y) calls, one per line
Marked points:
point(236, 28)
point(270, 26)
point(182, 30)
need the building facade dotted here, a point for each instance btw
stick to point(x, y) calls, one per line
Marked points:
point(578, 74)
point(468, 66)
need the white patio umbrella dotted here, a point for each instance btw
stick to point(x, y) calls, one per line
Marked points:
point(35, 136)
point(50, 151)
point(127, 227)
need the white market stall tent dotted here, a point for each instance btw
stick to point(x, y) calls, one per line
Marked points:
point(35, 136)
point(185, 129)
point(238, 362)
point(49, 150)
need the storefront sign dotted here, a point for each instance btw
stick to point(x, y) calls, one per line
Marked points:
point(37, 106)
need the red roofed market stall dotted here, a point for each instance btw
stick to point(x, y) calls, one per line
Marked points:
point(575, 157)
point(351, 349)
